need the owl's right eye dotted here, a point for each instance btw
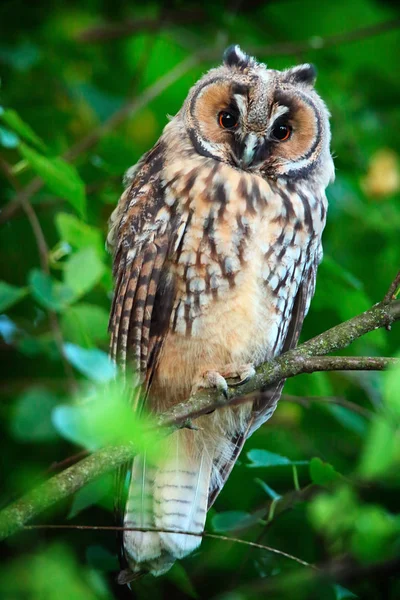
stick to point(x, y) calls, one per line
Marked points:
point(227, 120)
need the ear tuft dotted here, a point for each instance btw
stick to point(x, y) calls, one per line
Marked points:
point(235, 57)
point(305, 74)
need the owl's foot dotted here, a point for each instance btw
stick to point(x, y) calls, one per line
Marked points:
point(218, 379)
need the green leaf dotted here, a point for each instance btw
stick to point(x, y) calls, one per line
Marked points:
point(10, 294)
point(342, 593)
point(375, 530)
point(37, 575)
point(91, 494)
point(322, 473)
point(8, 139)
point(101, 559)
point(82, 271)
point(49, 292)
point(63, 179)
point(349, 419)
point(14, 121)
point(77, 233)
point(94, 363)
point(231, 520)
point(31, 419)
point(391, 390)
point(104, 417)
point(85, 324)
point(181, 579)
point(379, 452)
point(264, 458)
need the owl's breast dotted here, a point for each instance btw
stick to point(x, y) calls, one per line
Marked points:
point(237, 269)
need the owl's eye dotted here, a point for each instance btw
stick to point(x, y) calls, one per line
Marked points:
point(227, 120)
point(281, 131)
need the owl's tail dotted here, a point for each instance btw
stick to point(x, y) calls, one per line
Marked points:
point(171, 496)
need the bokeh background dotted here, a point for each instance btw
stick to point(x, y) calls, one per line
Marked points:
point(93, 82)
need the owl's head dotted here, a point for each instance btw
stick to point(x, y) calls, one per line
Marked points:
point(260, 120)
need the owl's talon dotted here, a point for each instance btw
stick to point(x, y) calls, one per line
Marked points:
point(211, 379)
point(243, 372)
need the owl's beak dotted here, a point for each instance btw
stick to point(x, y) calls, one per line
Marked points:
point(249, 148)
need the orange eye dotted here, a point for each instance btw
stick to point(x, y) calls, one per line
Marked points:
point(281, 131)
point(227, 120)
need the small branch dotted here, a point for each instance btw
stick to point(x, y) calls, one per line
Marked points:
point(105, 33)
point(127, 110)
point(109, 32)
point(215, 536)
point(345, 571)
point(135, 104)
point(292, 363)
point(393, 290)
point(307, 400)
point(322, 43)
point(44, 263)
point(14, 517)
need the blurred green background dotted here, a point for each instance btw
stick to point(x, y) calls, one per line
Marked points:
point(94, 81)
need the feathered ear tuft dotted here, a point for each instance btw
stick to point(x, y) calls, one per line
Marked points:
point(235, 57)
point(305, 74)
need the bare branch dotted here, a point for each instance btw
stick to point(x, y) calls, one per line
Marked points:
point(44, 263)
point(135, 104)
point(292, 363)
point(130, 108)
point(215, 536)
point(307, 400)
point(107, 32)
point(393, 290)
point(113, 31)
point(295, 362)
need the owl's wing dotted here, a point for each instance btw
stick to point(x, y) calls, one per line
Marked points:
point(265, 404)
point(144, 231)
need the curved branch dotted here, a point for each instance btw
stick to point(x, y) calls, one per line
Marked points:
point(292, 363)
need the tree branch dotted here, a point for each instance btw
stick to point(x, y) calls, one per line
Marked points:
point(292, 363)
point(43, 251)
point(215, 536)
point(135, 104)
point(131, 107)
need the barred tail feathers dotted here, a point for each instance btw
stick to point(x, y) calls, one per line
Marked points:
point(141, 546)
point(181, 495)
point(171, 496)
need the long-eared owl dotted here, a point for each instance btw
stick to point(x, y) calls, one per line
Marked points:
point(216, 242)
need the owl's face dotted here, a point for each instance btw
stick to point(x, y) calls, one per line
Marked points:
point(260, 120)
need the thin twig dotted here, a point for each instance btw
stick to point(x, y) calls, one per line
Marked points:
point(394, 287)
point(135, 104)
point(113, 31)
point(127, 110)
point(119, 30)
point(214, 536)
point(307, 400)
point(322, 43)
point(43, 251)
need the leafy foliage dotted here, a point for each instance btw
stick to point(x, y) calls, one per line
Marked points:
point(320, 481)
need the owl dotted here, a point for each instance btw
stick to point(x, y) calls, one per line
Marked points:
point(216, 242)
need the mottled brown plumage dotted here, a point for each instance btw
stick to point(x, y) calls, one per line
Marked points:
point(216, 243)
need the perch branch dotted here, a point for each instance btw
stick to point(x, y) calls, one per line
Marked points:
point(292, 363)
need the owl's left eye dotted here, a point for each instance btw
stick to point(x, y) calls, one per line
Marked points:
point(281, 131)
point(227, 120)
